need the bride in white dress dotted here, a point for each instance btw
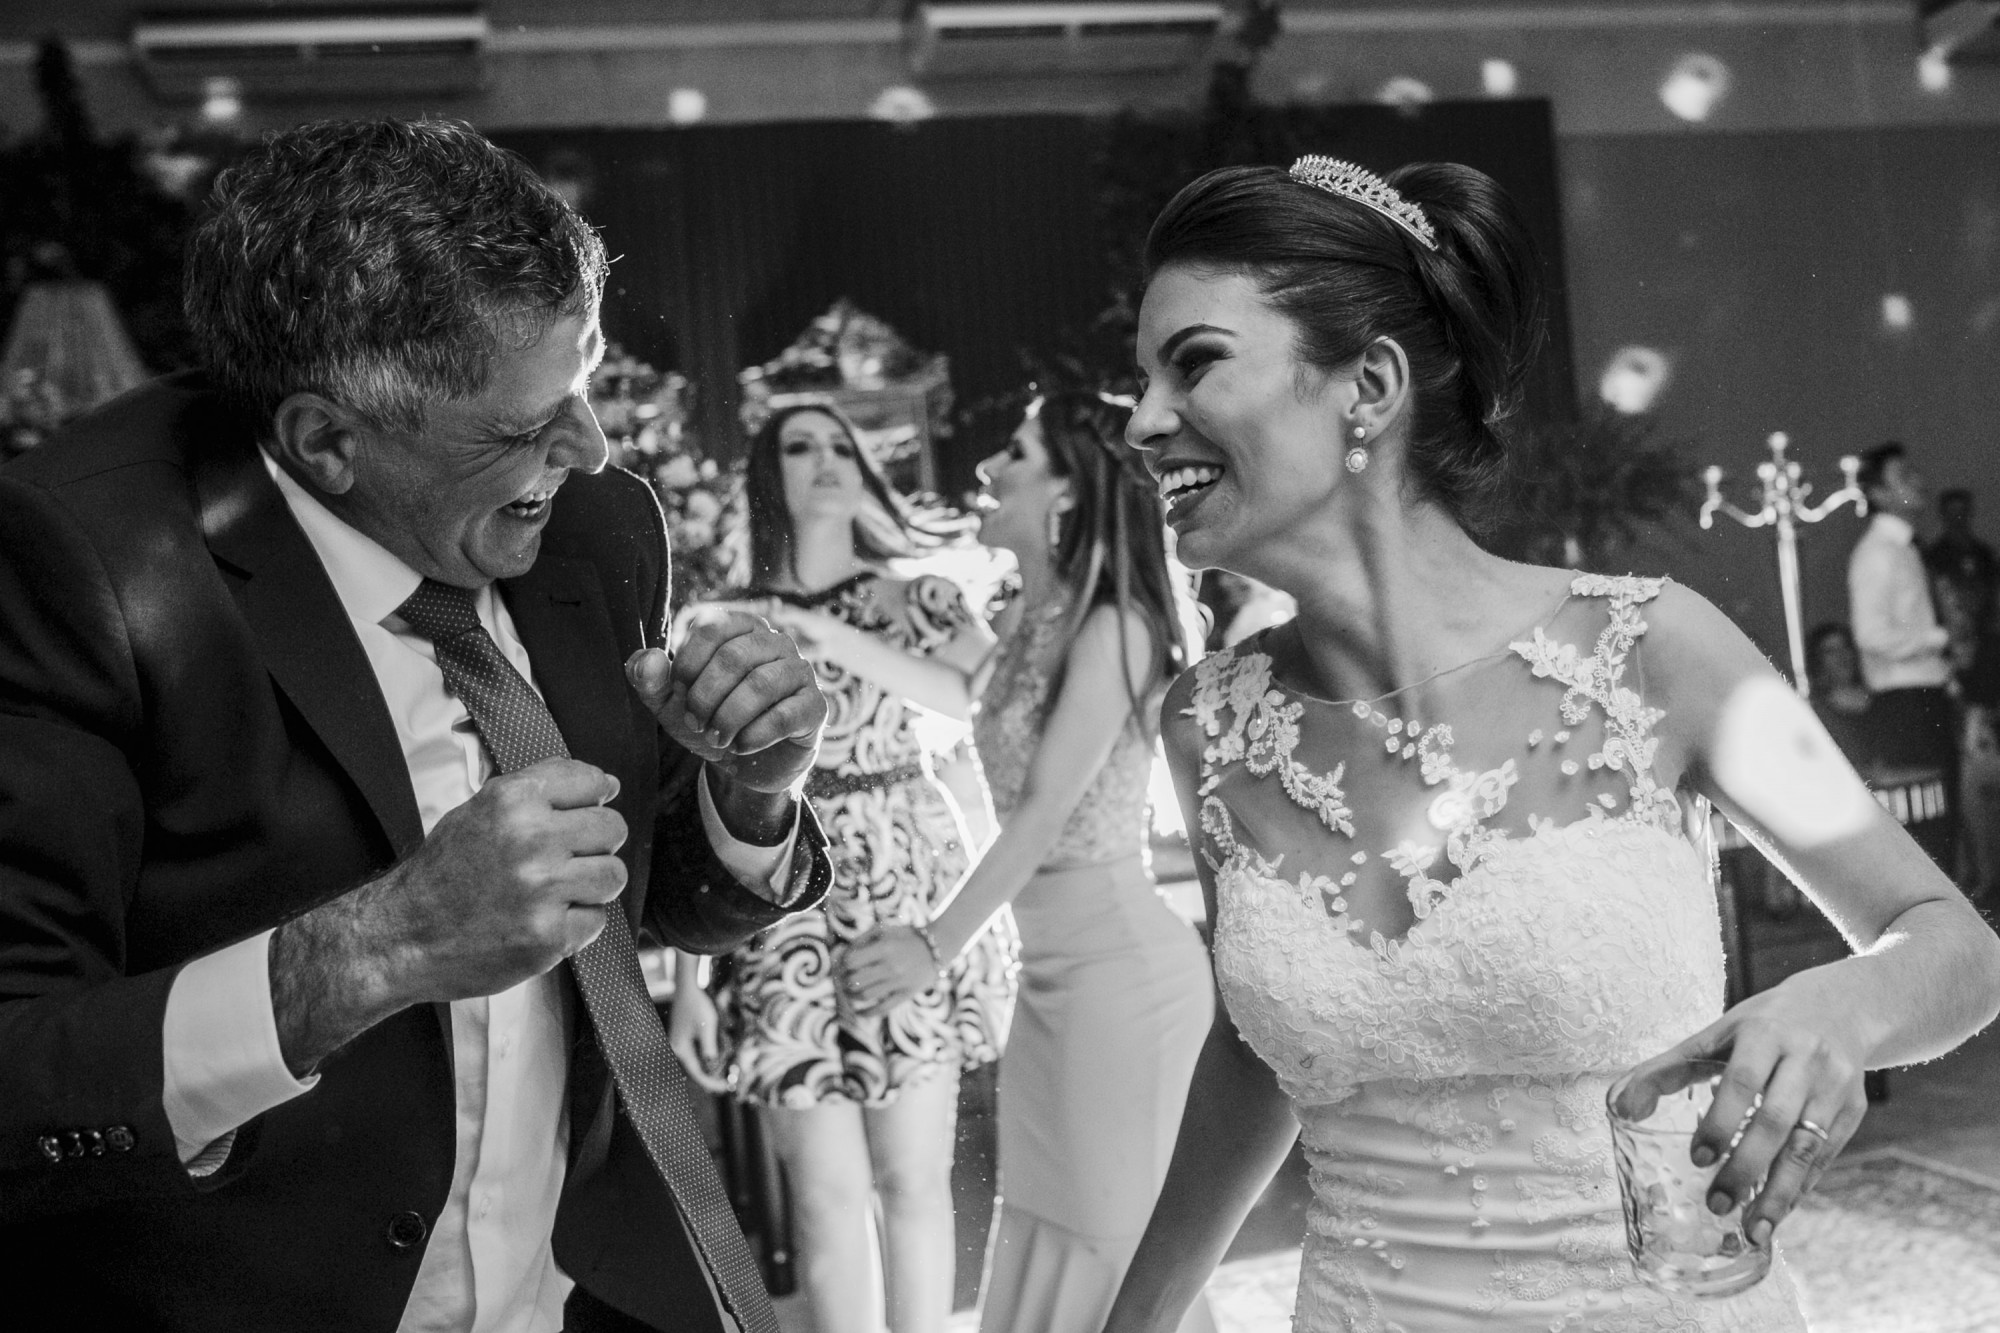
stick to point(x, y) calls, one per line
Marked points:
point(1453, 814)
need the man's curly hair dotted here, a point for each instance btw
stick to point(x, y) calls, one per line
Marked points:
point(382, 264)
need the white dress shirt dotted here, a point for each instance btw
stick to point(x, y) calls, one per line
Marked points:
point(1889, 601)
point(489, 1266)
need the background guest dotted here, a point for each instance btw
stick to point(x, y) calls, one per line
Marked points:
point(1839, 695)
point(859, 1105)
point(1903, 646)
point(1965, 571)
point(1116, 997)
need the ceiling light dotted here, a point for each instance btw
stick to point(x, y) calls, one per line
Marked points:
point(902, 105)
point(1695, 86)
point(1934, 71)
point(685, 106)
point(221, 101)
point(1404, 91)
point(1633, 379)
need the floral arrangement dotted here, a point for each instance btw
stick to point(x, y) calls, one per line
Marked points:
point(645, 416)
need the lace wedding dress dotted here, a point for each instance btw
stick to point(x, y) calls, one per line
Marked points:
point(1446, 947)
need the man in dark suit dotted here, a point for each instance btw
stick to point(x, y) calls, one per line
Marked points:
point(329, 730)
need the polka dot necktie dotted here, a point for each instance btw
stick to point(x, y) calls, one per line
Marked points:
point(519, 731)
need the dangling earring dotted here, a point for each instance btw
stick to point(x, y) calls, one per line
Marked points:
point(1055, 528)
point(1357, 457)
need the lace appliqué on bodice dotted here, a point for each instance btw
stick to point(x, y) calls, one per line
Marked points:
point(1110, 821)
point(1449, 1083)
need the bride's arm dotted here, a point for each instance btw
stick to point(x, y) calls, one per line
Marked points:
point(1235, 1131)
point(1925, 974)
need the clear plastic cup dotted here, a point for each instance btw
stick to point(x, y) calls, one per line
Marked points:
point(1677, 1244)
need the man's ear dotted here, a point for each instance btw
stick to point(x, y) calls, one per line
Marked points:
point(316, 441)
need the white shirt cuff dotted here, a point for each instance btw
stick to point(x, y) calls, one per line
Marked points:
point(765, 871)
point(223, 1065)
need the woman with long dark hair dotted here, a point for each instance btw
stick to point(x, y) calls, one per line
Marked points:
point(1453, 815)
point(1115, 994)
point(861, 1105)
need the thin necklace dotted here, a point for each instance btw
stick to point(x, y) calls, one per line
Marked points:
point(1541, 624)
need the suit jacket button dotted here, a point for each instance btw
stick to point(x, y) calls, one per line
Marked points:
point(51, 1147)
point(119, 1138)
point(72, 1143)
point(93, 1141)
point(406, 1230)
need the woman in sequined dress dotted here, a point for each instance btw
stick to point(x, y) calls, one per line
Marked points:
point(1115, 993)
point(1452, 817)
point(860, 1107)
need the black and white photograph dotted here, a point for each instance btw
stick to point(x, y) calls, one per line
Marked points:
point(1000, 666)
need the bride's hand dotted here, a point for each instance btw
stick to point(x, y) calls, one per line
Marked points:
point(885, 967)
point(1788, 1046)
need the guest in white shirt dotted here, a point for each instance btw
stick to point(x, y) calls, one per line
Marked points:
point(1904, 650)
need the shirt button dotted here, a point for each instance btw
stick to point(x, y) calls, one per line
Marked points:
point(407, 1230)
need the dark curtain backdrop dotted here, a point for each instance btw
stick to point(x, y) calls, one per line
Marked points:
point(981, 238)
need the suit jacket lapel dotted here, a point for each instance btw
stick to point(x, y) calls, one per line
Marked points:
point(308, 645)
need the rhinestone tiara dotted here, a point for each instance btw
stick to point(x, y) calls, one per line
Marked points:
point(1364, 187)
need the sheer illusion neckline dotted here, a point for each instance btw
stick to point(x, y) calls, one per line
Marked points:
point(1254, 720)
point(1260, 642)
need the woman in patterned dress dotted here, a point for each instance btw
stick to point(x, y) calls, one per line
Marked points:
point(860, 1107)
point(1453, 816)
point(1115, 992)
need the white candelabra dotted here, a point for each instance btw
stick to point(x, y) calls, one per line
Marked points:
point(1783, 507)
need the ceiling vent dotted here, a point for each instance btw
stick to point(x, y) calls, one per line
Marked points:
point(1961, 29)
point(1111, 37)
point(312, 52)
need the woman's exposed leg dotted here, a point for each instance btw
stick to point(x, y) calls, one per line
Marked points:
point(824, 1150)
point(910, 1140)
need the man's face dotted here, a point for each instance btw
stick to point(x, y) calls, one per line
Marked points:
point(464, 500)
point(1901, 491)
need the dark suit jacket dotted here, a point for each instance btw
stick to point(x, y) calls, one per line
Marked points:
point(193, 748)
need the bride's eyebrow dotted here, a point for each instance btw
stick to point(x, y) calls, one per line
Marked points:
point(1179, 336)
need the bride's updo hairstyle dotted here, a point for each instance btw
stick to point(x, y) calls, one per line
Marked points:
point(1467, 315)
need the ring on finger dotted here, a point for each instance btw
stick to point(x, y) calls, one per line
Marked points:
point(1814, 1130)
point(1743, 1125)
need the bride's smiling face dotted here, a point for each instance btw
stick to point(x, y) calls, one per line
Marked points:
point(1243, 437)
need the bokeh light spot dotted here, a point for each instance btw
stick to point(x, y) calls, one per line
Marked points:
point(1405, 91)
point(1499, 78)
point(902, 105)
point(1634, 378)
point(1934, 71)
point(221, 101)
point(685, 106)
point(1695, 86)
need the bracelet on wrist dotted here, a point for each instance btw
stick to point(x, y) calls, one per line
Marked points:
point(930, 945)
